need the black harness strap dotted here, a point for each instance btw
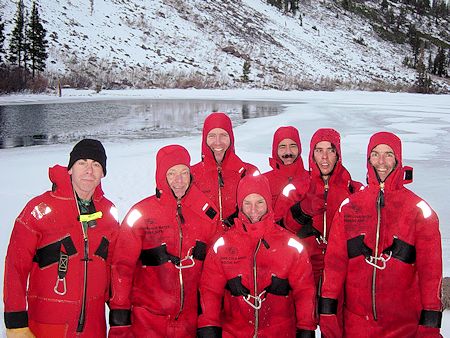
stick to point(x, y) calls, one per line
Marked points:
point(199, 251)
point(357, 247)
point(229, 221)
point(402, 251)
point(159, 255)
point(299, 215)
point(102, 250)
point(236, 288)
point(52, 252)
point(307, 230)
point(279, 286)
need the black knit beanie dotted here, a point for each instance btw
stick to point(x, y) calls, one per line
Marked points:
point(88, 149)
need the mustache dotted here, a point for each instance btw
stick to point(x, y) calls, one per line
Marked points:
point(288, 156)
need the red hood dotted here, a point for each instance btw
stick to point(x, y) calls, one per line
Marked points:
point(281, 134)
point(395, 178)
point(216, 120)
point(166, 158)
point(324, 134)
point(258, 184)
point(62, 184)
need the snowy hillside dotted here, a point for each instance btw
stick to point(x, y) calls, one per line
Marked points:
point(144, 43)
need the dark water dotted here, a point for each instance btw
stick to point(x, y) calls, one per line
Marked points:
point(31, 124)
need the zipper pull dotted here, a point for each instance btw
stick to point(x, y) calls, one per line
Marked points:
point(179, 212)
point(380, 199)
point(325, 193)
point(221, 183)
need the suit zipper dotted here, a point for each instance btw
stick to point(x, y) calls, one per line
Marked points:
point(377, 241)
point(325, 195)
point(220, 185)
point(180, 274)
point(255, 288)
point(82, 317)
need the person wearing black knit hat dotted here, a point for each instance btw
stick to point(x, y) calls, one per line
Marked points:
point(88, 149)
point(57, 238)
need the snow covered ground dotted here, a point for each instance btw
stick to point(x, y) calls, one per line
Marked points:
point(422, 122)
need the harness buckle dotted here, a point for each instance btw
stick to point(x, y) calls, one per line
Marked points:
point(371, 260)
point(62, 271)
point(258, 300)
point(189, 257)
point(321, 240)
point(58, 282)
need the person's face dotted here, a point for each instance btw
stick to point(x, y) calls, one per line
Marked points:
point(382, 158)
point(86, 176)
point(325, 157)
point(178, 177)
point(287, 151)
point(254, 207)
point(218, 141)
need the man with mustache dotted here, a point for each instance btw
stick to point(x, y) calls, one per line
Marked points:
point(288, 172)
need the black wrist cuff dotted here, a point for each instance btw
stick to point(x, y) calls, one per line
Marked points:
point(209, 332)
point(305, 334)
point(16, 320)
point(327, 306)
point(119, 317)
point(430, 318)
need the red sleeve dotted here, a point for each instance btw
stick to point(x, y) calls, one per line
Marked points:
point(126, 253)
point(19, 260)
point(336, 259)
point(429, 257)
point(304, 292)
point(212, 289)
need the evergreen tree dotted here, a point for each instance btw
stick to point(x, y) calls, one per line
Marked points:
point(17, 43)
point(346, 4)
point(422, 6)
point(294, 6)
point(423, 80)
point(2, 40)
point(439, 64)
point(37, 44)
point(440, 8)
point(401, 18)
point(430, 63)
point(245, 71)
point(277, 3)
point(448, 59)
point(384, 5)
point(414, 41)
